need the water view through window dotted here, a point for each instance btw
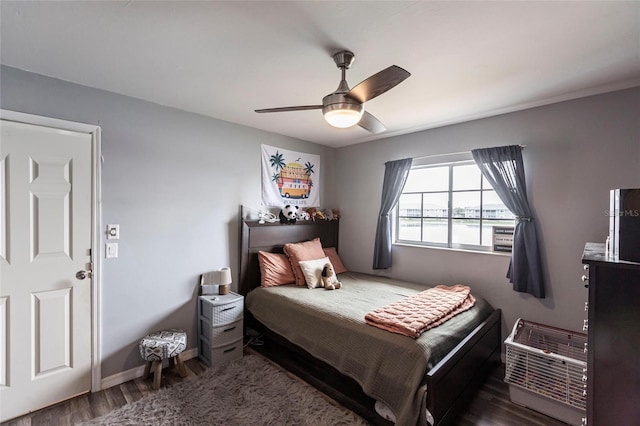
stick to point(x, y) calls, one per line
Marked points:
point(449, 205)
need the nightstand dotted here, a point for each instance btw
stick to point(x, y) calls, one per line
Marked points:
point(220, 328)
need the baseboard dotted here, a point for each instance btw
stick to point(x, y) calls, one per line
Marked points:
point(134, 373)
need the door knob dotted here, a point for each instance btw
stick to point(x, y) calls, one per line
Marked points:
point(81, 275)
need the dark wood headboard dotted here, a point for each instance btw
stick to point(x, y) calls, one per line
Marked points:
point(271, 237)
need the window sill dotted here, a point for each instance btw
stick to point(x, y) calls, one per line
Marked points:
point(492, 253)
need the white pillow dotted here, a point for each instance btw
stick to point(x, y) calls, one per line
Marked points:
point(312, 271)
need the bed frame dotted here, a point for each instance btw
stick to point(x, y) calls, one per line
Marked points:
point(450, 384)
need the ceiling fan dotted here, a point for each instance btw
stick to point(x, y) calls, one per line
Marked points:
point(345, 107)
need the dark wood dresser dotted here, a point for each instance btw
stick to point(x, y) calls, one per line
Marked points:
point(613, 348)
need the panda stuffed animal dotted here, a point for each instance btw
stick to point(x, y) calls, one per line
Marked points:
point(289, 214)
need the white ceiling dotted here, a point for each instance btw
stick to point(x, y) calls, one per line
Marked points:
point(224, 59)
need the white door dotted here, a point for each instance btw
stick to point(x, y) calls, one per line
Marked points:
point(45, 239)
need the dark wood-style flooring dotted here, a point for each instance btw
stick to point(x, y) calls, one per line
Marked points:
point(491, 405)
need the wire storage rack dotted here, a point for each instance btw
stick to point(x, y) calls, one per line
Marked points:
point(546, 370)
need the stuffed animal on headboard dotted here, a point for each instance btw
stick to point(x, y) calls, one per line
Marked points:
point(329, 278)
point(289, 214)
point(311, 211)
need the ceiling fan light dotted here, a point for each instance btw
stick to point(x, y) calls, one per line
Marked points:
point(346, 115)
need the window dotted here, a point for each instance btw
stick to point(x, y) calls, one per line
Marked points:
point(449, 205)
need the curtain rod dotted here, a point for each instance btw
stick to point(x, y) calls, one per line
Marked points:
point(449, 154)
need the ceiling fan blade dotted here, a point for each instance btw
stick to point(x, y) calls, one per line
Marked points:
point(370, 123)
point(293, 108)
point(378, 83)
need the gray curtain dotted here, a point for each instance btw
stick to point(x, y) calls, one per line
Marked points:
point(503, 168)
point(395, 176)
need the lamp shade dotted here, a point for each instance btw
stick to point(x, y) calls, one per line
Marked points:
point(224, 276)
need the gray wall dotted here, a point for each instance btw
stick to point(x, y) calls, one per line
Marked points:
point(174, 182)
point(576, 151)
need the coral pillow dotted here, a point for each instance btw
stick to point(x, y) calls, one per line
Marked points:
point(312, 270)
point(308, 250)
point(275, 269)
point(332, 254)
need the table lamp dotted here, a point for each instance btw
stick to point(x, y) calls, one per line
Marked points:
point(222, 278)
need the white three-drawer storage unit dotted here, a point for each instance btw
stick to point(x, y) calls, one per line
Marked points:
point(220, 328)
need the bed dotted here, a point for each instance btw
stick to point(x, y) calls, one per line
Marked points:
point(425, 381)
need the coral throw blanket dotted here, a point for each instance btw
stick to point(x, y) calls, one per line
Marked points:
point(416, 314)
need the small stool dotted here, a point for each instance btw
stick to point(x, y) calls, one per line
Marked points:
point(160, 345)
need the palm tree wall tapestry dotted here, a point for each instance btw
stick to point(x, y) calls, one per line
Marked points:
point(290, 177)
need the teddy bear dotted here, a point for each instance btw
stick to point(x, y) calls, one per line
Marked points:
point(303, 215)
point(288, 214)
point(329, 279)
point(311, 211)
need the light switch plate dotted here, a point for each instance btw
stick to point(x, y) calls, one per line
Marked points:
point(113, 232)
point(111, 250)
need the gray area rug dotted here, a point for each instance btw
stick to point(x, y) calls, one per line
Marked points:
point(249, 391)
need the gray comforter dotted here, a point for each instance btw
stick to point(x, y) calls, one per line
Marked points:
point(330, 325)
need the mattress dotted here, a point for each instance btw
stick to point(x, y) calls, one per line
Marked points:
point(330, 326)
